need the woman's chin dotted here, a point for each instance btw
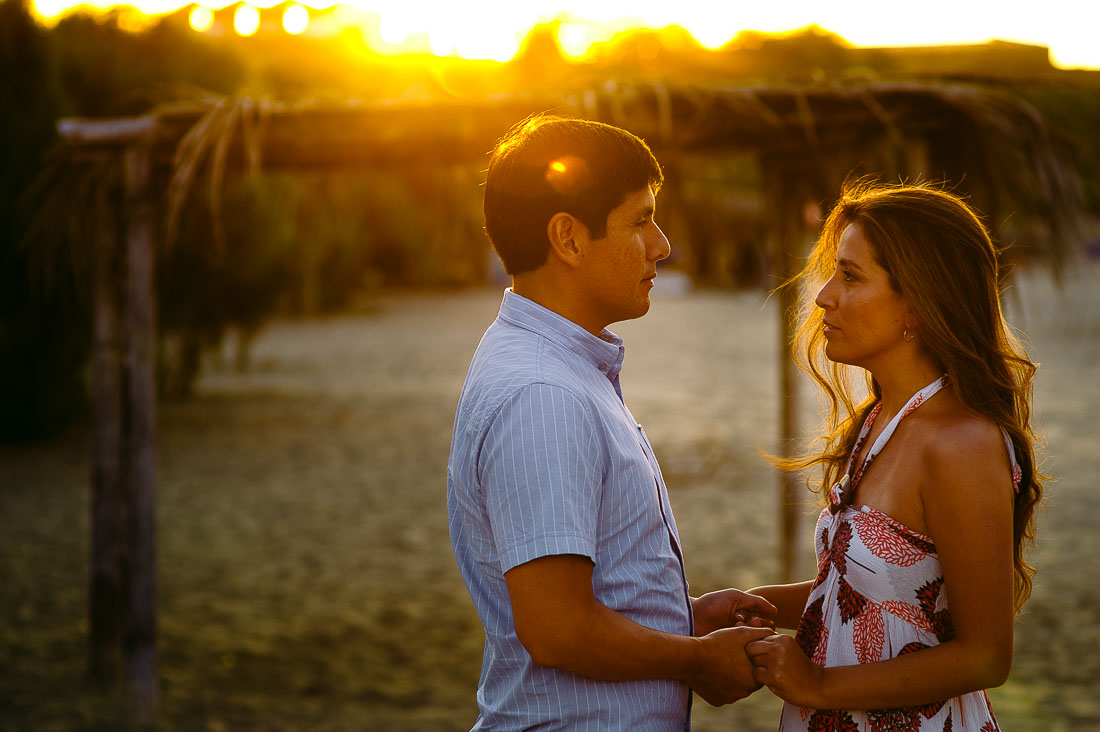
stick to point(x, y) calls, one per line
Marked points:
point(837, 356)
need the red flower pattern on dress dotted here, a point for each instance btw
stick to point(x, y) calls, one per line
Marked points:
point(862, 469)
point(850, 602)
point(842, 539)
point(904, 719)
point(823, 560)
point(927, 594)
point(822, 652)
point(919, 400)
point(887, 542)
point(869, 634)
point(908, 612)
point(912, 648)
point(810, 628)
point(919, 542)
point(991, 725)
point(931, 710)
point(940, 620)
point(832, 720)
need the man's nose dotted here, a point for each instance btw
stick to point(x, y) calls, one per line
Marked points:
point(661, 248)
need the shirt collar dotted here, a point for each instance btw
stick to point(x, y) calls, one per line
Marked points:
point(605, 352)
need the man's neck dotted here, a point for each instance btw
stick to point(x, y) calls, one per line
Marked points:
point(556, 296)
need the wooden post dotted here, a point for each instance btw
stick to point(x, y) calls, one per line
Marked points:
point(105, 586)
point(787, 188)
point(139, 437)
point(789, 491)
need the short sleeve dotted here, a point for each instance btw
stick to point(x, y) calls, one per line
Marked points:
point(541, 473)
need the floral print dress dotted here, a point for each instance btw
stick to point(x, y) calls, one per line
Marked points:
point(879, 594)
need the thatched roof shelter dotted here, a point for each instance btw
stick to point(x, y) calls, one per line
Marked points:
point(128, 178)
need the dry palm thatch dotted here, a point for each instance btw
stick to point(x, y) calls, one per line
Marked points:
point(69, 202)
point(982, 139)
point(207, 143)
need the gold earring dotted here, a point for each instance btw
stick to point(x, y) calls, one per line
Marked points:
point(907, 336)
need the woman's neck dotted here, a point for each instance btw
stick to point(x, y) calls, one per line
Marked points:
point(899, 385)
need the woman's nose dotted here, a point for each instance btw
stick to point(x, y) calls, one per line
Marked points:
point(824, 297)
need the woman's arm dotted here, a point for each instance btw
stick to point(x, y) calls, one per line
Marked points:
point(966, 491)
point(790, 600)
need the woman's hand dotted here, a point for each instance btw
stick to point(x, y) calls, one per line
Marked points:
point(780, 664)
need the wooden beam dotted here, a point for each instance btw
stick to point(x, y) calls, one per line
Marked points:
point(115, 132)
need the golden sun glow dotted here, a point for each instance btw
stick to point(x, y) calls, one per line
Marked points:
point(246, 21)
point(200, 18)
point(295, 19)
point(488, 29)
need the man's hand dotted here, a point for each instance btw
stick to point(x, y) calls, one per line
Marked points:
point(725, 673)
point(731, 608)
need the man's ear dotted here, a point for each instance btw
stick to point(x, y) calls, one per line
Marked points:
point(566, 234)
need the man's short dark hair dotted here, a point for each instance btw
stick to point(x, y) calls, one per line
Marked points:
point(549, 164)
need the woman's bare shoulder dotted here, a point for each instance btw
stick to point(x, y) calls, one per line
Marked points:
point(958, 442)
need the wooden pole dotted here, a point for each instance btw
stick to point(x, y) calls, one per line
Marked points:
point(789, 490)
point(139, 449)
point(787, 188)
point(105, 587)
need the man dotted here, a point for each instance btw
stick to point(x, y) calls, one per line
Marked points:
point(559, 516)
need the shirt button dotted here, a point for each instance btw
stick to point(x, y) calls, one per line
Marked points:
point(603, 367)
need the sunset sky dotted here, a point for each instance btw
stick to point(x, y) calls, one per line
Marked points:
point(494, 29)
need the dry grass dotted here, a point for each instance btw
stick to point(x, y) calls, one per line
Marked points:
point(306, 575)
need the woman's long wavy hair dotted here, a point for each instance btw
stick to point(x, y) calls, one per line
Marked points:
point(940, 258)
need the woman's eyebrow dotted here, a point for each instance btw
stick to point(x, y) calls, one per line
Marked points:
point(848, 263)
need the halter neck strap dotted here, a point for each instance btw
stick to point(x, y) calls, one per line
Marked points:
point(914, 401)
point(852, 475)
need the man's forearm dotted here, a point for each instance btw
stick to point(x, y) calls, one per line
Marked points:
point(562, 625)
point(600, 643)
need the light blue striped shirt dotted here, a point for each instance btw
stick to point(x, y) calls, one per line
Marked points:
point(546, 459)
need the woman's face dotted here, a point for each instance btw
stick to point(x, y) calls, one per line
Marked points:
point(864, 318)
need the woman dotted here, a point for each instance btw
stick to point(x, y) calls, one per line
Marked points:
point(933, 481)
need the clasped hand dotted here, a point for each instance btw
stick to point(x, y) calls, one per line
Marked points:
point(780, 664)
point(726, 621)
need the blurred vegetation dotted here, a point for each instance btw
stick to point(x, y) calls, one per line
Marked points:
point(309, 244)
point(42, 339)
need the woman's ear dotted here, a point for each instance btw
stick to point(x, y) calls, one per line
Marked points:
point(911, 322)
point(566, 234)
